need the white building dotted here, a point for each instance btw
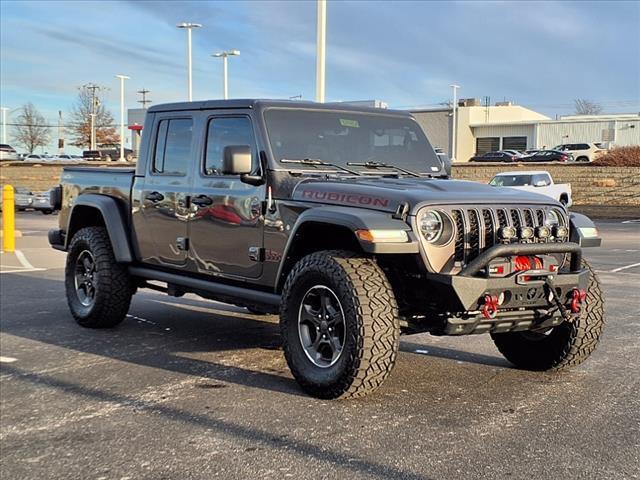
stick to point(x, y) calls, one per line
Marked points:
point(505, 126)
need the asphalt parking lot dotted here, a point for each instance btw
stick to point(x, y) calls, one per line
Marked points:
point(191, 389)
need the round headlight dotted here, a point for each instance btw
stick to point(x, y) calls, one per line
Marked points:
point(553, 219)
point(431, 226)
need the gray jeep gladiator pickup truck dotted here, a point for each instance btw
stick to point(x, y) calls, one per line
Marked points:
point(343, 220)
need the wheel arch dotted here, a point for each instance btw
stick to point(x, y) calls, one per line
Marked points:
point(92, 210)
point(334, 228)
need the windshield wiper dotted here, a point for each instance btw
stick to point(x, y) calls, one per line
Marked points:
point(377, 165)
point(315, 163)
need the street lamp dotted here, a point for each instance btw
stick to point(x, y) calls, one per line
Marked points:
point(189, 27)
point(321, 40)
point(454, 129)
point(4, 124)
point(122, 79)
point(224, 55)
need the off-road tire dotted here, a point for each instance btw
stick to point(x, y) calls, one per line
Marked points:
point(567, 345)
point(113, 285)
point(372, 331)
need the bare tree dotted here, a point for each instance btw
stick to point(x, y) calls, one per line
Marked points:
point(586, 107)
point(89, 101)
point(31, 130)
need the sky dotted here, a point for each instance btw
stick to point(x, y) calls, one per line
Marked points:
point(541, 55)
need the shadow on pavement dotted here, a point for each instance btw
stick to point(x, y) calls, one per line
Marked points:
point(254, 435)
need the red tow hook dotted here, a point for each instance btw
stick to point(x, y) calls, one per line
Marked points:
point(577, 298)
point(490, 306)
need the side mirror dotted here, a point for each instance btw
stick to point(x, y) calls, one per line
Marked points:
point(540, 183)
point(236, 160)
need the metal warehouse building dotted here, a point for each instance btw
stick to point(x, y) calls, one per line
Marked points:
point(506, 126)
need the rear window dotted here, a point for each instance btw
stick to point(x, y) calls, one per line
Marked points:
point(511, 181)
point(173, 146)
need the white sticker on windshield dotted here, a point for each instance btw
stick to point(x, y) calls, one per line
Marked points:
point(435, 169)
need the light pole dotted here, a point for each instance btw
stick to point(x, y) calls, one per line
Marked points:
point(321, 38)
point(4, 124)
point(454, 129)
point(189, 27)
point(122, 79)
point(225, 81)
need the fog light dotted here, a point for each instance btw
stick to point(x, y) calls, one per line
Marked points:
point(507, 233)
point(501, 298)
point(526, 233)
point(560, 231)
point(543, 232)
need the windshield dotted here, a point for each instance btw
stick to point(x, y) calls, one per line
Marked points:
point(511, 181)
point(341, 137)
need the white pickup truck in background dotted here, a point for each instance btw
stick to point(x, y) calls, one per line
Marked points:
point(538, 181)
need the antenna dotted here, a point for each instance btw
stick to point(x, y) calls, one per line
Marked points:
point(144, 100)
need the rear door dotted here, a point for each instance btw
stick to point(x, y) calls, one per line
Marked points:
point(226, 228)
point(164, 213)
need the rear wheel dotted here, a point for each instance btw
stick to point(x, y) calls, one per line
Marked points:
point(98, 288)
point(565, 345)
point(339, 323)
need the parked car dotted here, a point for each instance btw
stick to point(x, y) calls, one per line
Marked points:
point(538, 181)
point(339, 221)
point(42, 202)
point(582, 152)
point(111, 151)
point(91, 155)
point(548, 156)
point(8, 153)
point(69, 158)
point(23, 199)
point(35, 157)
point(514, 153)
point(495, 157)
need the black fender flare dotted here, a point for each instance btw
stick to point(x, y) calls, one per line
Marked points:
point(114, 220)
point(354, 219)
point(583, 231)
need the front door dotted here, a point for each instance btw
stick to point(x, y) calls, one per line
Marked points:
point(226, 225)
point(163, 199)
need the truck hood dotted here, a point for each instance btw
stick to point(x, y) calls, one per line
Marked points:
point(386, 194)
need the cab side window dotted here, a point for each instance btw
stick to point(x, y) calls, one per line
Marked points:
point(173, 146)
point(223, 132)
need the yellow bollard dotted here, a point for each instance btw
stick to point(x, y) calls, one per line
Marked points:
point(9, 220)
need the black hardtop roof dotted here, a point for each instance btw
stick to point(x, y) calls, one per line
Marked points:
point(263, 104)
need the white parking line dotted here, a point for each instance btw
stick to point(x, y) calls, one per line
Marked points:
point(7, 359)
point(632, 221)
point(616, 270)
point(23, 260)
point(26, 265)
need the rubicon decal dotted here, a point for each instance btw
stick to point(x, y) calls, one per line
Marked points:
point(347, 198)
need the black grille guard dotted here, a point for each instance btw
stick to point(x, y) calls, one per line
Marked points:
point(508, 250)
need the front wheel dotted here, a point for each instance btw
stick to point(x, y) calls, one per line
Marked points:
point(339, 322)
point(98, 288)
point(565, 345)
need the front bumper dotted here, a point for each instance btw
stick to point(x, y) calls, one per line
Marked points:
point(464, 292)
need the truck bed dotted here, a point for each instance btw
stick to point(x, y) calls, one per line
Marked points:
point(115, 182)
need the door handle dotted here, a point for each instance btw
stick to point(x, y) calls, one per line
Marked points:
point(154, 196)
point(201, 201)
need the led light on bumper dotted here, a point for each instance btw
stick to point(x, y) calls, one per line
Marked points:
point(526, 233)
point(562, 232)
point(543, 232)
point(507, 233)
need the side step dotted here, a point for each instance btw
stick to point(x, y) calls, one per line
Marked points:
point(215, 290)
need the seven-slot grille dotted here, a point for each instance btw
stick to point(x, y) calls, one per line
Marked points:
point(477, 228)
